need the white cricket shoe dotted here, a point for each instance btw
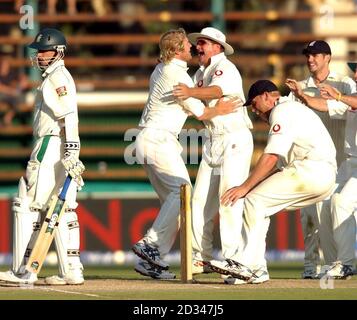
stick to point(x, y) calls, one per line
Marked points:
point(259, 276)
point(153, 271)
point(199, 267)
point(11, 277)
point(232, 268)
point(340, 271)
point(149, 253)
point(73, 277)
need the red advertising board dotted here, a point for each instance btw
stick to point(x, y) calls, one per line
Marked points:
point(115, 224)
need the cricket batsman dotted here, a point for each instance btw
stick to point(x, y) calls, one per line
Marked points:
point(55, 152)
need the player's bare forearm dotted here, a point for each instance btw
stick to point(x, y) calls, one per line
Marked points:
point(264, 168)
point(182, 91)
point(206, 93)
point(319, 104)
point(329, 92)
point(222, 107)
point(208, 114)
point(349, 100)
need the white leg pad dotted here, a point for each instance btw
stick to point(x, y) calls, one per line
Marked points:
point(67, 239)
point(26, 228)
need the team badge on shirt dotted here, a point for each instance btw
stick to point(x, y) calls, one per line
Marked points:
point(61, 91)
point(218, 73)
point(276, 128)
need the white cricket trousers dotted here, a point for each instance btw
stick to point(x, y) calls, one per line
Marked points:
point(225, 164)
point(316, 223)
point(301, 184)
point(343, 205)
point(159, 152)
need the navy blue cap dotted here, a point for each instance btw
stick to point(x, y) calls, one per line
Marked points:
point(258, 88)
point(318, 46)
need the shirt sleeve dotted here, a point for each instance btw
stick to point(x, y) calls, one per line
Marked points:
point(227, 77)
point(193, 105)
point(349, 86)
point(337, 109)
point(280, 138)
point(60, 95)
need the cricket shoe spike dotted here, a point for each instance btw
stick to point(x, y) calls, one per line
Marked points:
point(150, 270)
point(11, 277)
point(232, 268)
point(149, 253)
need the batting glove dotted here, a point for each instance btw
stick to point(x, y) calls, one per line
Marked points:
point(72, 164)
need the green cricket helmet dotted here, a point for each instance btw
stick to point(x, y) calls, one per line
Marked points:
point(49, 39)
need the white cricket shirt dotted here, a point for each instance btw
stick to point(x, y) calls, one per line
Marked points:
point(297, 133)
point(55, 98)
point(223, 73)
point(335, 127)
point(162, 110)
point(350, 115)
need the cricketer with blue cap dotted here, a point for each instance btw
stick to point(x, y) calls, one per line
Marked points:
point(299, 153)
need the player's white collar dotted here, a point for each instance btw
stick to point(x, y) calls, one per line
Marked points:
point(282, 99)
point(217, 57)
point(214, 59)
point(311, 83)
point(180, 63)
point(53, 67)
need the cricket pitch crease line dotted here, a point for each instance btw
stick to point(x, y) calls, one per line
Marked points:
point(69, 292)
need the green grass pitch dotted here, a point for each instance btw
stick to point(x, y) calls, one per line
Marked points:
point(123, 283)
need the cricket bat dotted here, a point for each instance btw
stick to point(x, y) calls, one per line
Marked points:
point(47, 232)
